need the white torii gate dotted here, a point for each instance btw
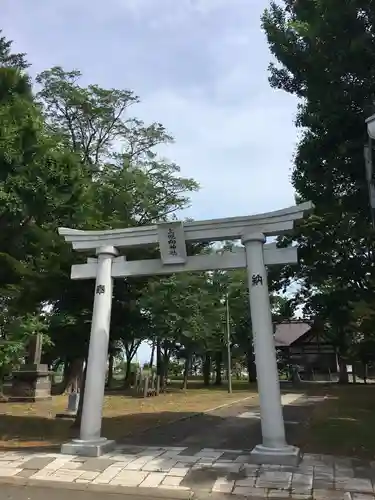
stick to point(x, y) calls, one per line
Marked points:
point(171, 238)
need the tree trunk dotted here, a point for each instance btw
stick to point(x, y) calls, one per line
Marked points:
point(251, 368)
point(186, 371)
point(60, 387)
point(76, 375)
point(152, 354)
point(159, 361)
point(191, 366)
point(162, 364)
point(129, 353)
point(207, 369)
point(72, 376)
point(218, 362)
point(77, 421)
point(165, 370)
point(354, 374)
point(127, 376)
point(2, 396)
point(295, 376)
point(110, 370)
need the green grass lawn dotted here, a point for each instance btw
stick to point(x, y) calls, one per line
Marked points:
point(34, 425)
point(342, 425)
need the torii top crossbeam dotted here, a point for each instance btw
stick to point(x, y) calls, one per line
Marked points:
point(231, 228)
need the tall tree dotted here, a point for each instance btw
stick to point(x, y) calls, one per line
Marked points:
point(41, 187)
point(40, 184)
point(93, 121)
point(325, 52)
point(128, 185)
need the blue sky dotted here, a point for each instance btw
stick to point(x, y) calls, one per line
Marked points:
point(200, 68)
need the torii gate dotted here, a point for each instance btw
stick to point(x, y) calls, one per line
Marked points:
point(171, 238)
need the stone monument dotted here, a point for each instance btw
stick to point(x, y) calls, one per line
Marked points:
point(32, 382)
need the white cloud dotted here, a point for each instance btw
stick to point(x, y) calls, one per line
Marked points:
point(224, 148)
point(200, 67)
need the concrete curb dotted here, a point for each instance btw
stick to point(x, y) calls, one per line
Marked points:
point(175, 493)
point(225, 405)
point(124, 491)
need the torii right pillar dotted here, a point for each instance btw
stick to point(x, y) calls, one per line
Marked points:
point(274, 448)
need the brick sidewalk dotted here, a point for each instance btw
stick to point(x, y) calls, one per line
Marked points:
point(171, 471)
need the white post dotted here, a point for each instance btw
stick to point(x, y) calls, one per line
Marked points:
point(274, 448)
point(91, 443)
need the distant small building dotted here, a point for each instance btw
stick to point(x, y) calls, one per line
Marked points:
point(302, 343)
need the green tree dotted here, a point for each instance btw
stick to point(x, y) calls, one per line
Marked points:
point(130, 325)
point(175, 307)
point(128, 185)
point(40, 188)
point(325, 56)
point(93, 121)
point(9, 59)
point(242, 339)
point(283, 308)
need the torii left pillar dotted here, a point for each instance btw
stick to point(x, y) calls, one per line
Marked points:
point(90, 442)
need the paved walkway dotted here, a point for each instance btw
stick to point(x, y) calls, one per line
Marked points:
point(195, 458)
point(233, 427)
point(171, 473)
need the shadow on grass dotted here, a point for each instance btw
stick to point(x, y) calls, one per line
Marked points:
point(336, 420)
point(36, 432)
point(344, 424)
point(223, 428)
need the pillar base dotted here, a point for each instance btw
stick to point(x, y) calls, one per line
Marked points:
point(287, 455)
point(84, 448)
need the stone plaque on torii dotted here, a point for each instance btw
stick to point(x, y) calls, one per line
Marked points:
point(171, 238)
